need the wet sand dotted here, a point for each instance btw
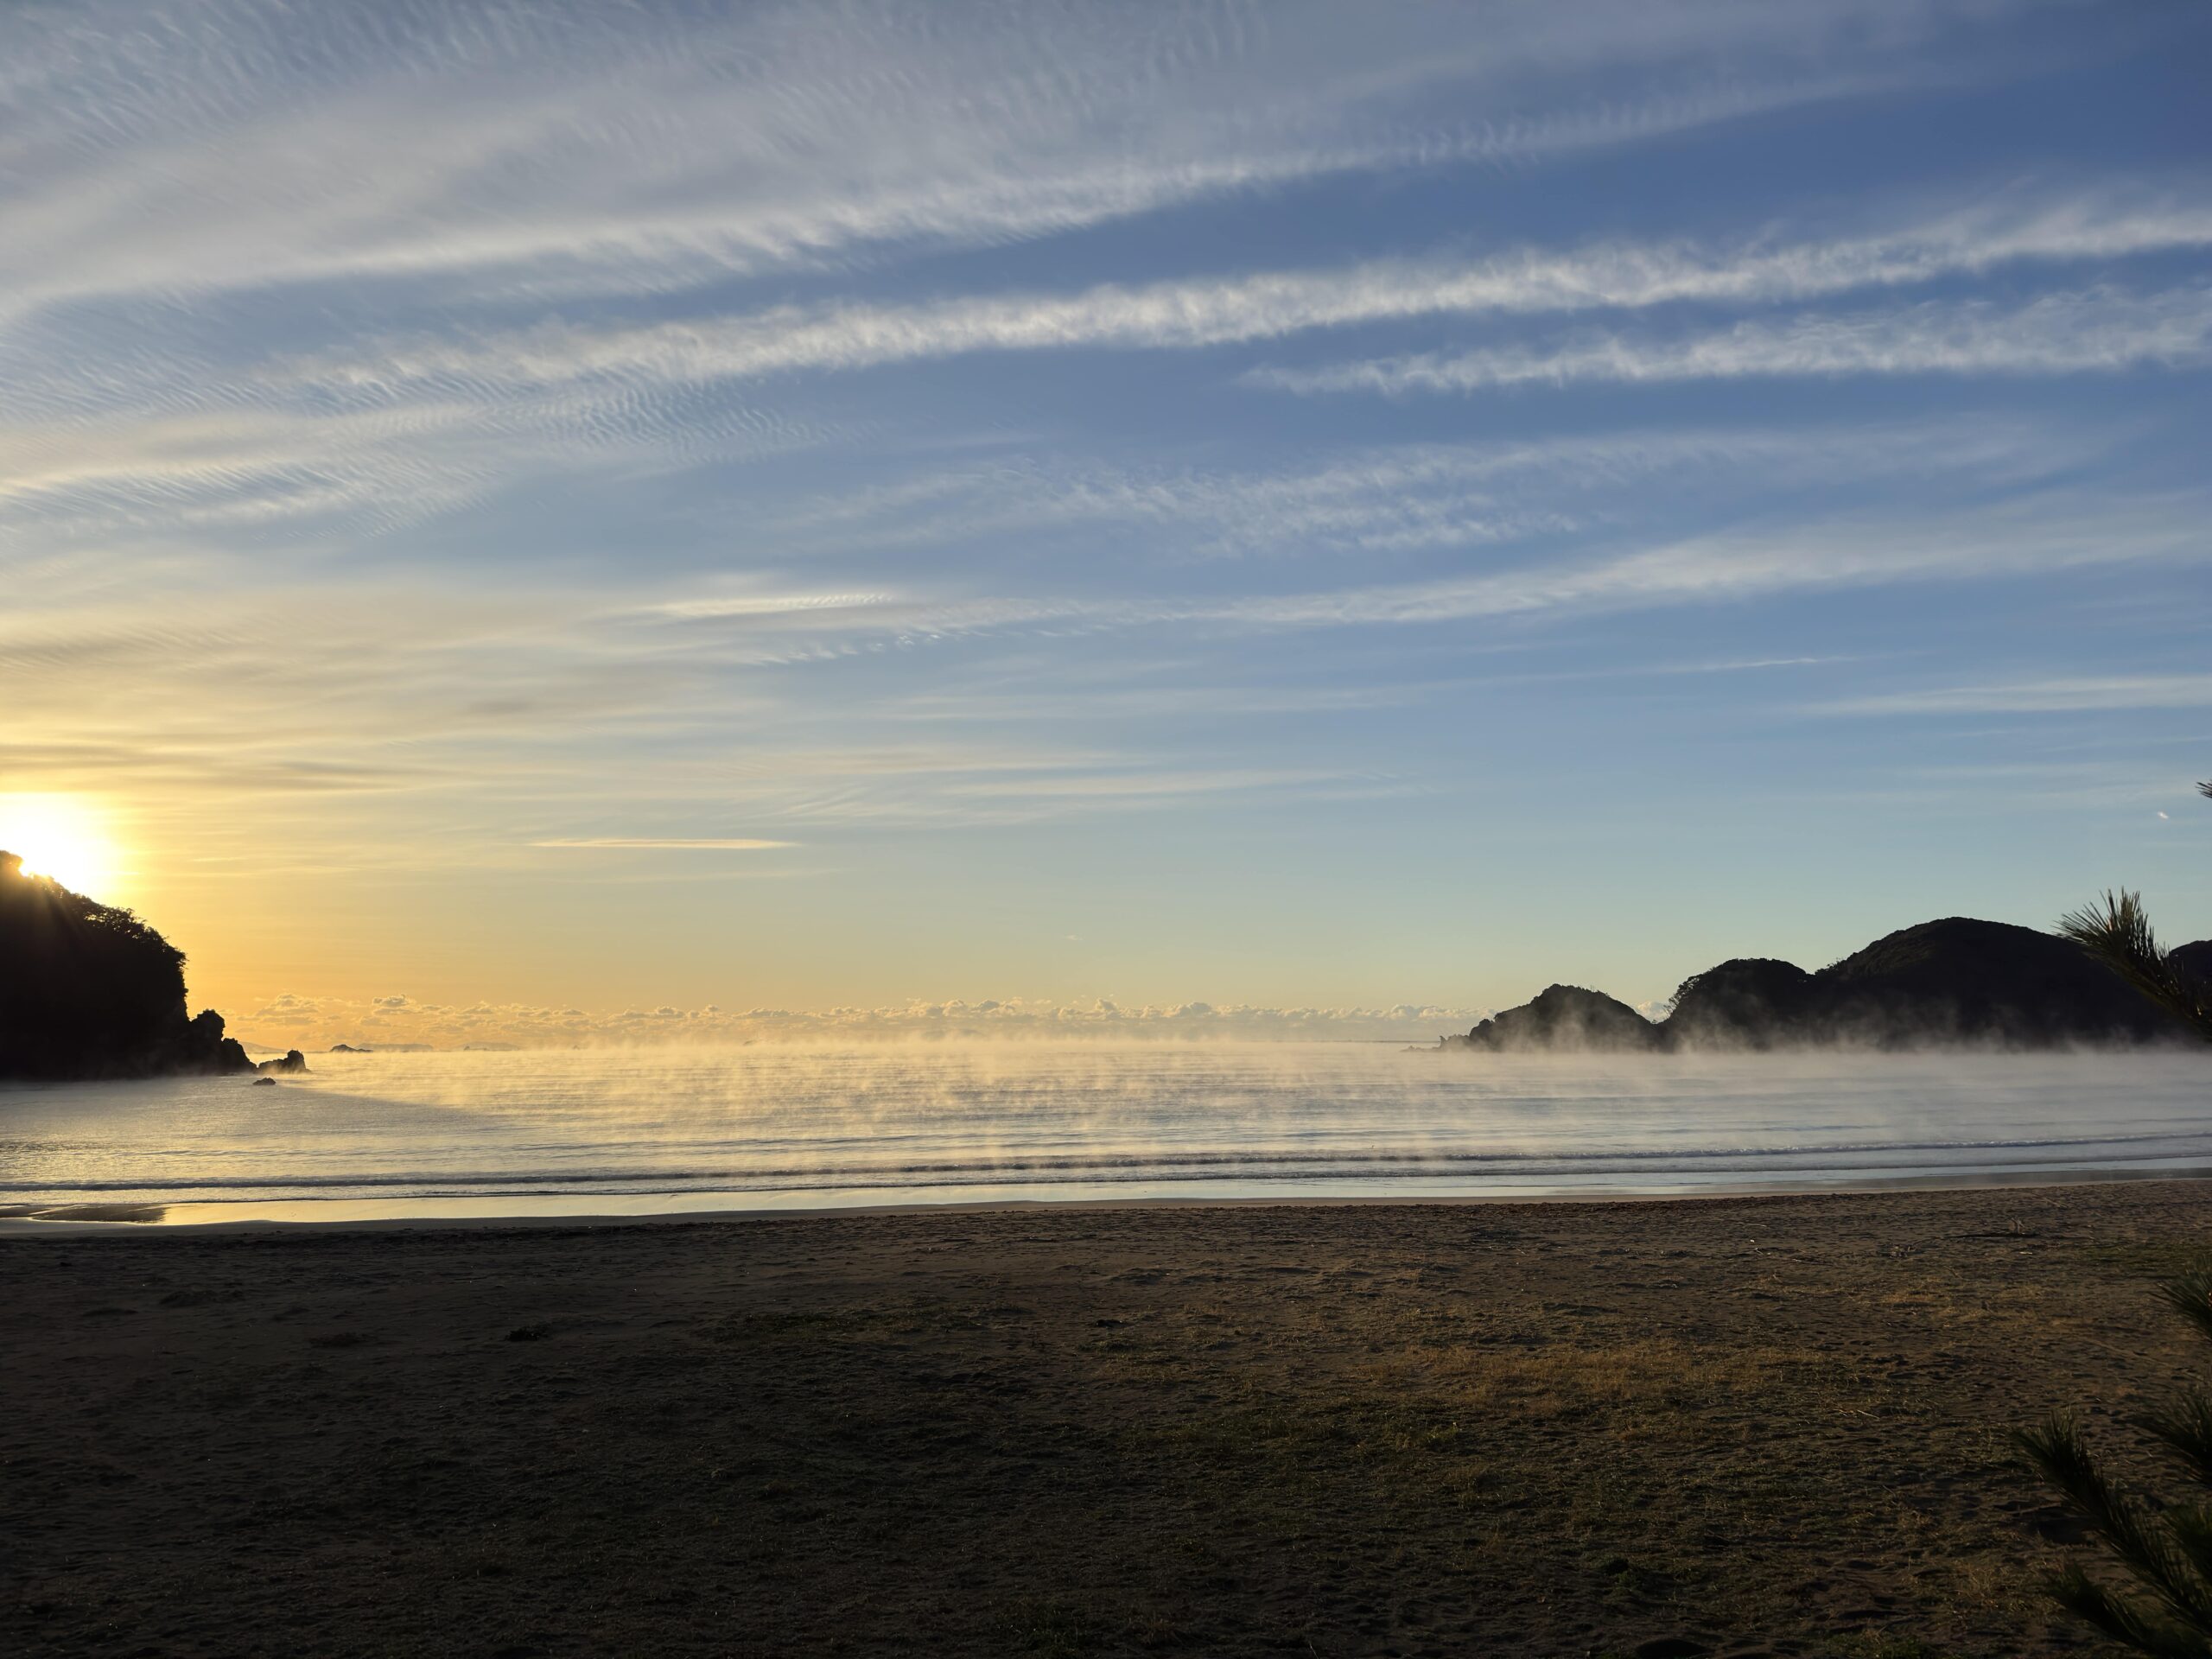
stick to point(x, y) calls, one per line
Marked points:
point(1736, 1426)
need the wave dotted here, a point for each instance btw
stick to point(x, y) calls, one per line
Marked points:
point(1832, 1159)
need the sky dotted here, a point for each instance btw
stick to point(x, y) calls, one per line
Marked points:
point(535, 520)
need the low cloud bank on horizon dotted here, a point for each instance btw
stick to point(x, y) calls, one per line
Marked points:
point(291, 1021)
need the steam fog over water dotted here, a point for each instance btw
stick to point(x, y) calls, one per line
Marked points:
point(769, 1126)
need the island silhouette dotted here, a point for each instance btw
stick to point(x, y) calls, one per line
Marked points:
point(1953, 982)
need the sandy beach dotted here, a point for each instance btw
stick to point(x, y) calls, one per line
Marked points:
point(1735, 1426)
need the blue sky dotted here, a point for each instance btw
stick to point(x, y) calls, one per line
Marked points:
point(572, 509)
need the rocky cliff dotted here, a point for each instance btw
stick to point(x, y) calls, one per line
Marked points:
point(87, 990)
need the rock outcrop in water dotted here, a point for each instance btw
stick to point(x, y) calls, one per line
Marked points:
point(87, 991)
point(1564, 1017)
point(1954, 982)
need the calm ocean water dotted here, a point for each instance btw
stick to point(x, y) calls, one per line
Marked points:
point(781, 1127)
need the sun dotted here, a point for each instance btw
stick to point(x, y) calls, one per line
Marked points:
point(64, 836)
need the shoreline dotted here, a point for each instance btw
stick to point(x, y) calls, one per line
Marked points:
point(73, 1219)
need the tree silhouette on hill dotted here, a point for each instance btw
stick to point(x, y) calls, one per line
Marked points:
point(89, 990)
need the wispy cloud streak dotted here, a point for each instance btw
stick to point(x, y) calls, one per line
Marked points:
point(2022, 539)
point(566, 151)
point(2096, 332)
point(1198, 314)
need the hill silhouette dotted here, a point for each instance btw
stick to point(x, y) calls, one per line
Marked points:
point(1957, 981)
point(1565, 1017)
point(90, 991)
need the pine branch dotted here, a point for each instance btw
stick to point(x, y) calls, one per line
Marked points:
point(2191, 1528)
point(2185, 1428)
point(2122, 1620)
point(2190, 1294)
point(2059, 1451)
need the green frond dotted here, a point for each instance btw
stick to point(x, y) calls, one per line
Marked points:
point(2184, 1427)
point(2189, 1293)
point(2122, 1619)
point(2063, 1457)
point(2117, 933)
point(2059, 1453)
point(2169, 1551)
point(2190, 1526)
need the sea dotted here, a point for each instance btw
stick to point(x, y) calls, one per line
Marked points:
point(773, 1127)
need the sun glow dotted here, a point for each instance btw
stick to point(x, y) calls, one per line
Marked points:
point(64, 836)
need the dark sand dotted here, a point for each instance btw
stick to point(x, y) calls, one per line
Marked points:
point(1765, 1424)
